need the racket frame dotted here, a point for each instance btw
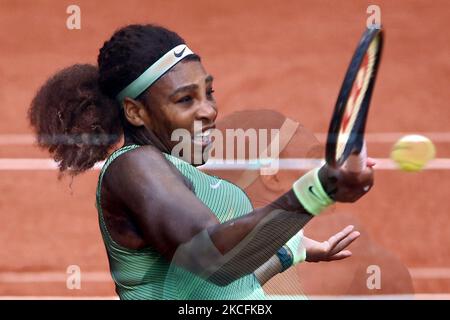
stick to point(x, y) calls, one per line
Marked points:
point(356, 136)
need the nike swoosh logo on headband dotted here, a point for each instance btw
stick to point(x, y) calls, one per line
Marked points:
point(179, 54)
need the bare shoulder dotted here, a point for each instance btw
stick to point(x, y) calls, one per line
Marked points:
point(142, 170)
point(145, 156)
point(144, 189)
point(146, 160)
point(128, 181)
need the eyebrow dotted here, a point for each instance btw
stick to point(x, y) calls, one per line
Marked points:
point(190, 87)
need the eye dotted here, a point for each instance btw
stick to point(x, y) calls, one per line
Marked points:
point(185, 99)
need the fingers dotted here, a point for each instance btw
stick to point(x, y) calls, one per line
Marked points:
point(345, 242)
point(346, 186)
point(366, 179)
point(341, 255)
point(371, 162)
point(358, 186)
point(338, 237)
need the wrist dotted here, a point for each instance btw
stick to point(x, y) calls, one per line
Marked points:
point(310, 192)
point(296, 248)
point(327, 180)
point(284, 254)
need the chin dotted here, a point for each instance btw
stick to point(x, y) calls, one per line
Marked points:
point(200, 152)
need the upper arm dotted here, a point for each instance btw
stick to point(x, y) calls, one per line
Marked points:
point(165, 210)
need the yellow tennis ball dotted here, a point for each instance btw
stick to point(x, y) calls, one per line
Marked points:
point(412, 152)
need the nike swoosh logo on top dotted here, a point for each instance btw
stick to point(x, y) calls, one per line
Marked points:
point(216, 185)
point(179, 54)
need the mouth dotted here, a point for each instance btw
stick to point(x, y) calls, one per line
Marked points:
point(204, 137)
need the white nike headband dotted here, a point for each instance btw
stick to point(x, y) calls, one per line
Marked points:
point(154, 72)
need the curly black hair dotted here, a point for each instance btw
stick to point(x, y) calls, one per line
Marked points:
point(75, 114)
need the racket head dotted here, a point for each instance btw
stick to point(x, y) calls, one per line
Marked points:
point(347, 126)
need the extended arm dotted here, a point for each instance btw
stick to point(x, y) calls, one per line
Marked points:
point(179, 226)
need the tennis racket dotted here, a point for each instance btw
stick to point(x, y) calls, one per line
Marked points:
point(345, 141)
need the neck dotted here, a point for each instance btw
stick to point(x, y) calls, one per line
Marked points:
point(142, 136)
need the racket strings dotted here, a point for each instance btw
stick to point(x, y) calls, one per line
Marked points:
point(356, 97)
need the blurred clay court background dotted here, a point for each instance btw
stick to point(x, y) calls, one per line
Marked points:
point(286, 55)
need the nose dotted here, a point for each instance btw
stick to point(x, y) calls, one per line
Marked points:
point(207, 111)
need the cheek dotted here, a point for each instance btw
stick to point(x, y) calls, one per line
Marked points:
point(181, 119)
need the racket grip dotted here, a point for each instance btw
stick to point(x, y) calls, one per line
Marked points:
point(357, 162)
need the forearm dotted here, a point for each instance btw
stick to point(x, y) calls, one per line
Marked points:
point(276, 215)
point(260, 236)
point(226, 252)
point(268, 270)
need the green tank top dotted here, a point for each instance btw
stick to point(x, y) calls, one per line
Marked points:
point(145, 274)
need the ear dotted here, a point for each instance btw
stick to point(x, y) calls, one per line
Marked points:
point(271, 182)
point(135, 112)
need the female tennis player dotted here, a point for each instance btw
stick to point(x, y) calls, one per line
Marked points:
point(170, 230)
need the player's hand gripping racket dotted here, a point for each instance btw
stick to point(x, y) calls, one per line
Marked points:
point(345, 141)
